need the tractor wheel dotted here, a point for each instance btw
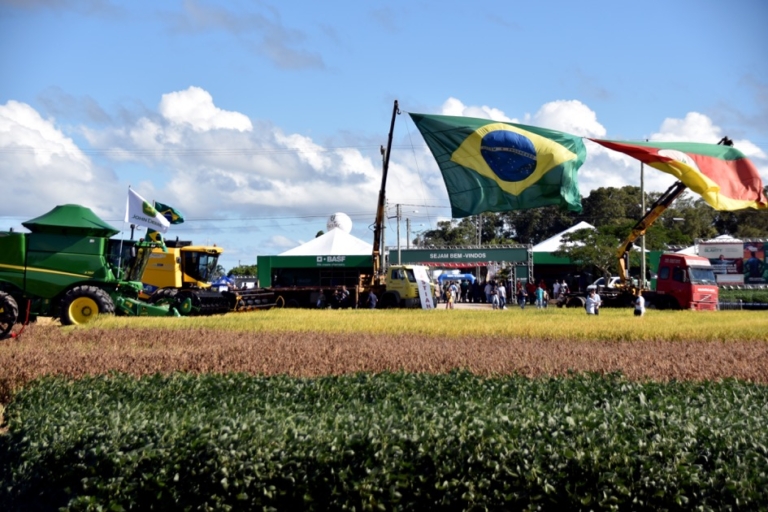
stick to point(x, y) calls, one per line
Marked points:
point(9, 313)
point(82, 304)
point(292, 303)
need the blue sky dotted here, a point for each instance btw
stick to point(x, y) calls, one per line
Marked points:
point(258, 120)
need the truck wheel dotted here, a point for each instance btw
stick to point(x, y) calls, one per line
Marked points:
point(292, 303)
point(82, 304)
point(576, 302)
point(9, 313)
point(390, 300)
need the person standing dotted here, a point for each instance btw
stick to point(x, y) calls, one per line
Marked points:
point(522, 296)
point(556, 290)
point(592, 303)
point(372, 300)
point(502, 296)
point(539, 297)
point(639, 304)
point(487, 291)
point(448, 298)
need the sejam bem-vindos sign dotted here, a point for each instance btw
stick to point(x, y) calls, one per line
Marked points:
point(470, 257)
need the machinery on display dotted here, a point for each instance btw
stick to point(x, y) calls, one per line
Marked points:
point(180, 277)
point(399, 285)
point(69, 267)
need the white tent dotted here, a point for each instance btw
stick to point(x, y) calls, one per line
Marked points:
point(552, 244)
point(335, 242)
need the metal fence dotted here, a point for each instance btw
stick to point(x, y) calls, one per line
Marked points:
point(741, 305)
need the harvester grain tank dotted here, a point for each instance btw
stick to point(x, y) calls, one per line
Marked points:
point(69, 267)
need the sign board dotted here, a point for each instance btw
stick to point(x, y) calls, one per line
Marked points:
point(475, 257)
point(425, 290)
point(755, 265)
point(737, 262)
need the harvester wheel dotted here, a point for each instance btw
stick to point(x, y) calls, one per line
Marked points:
point(82, 304)
point(9, 313)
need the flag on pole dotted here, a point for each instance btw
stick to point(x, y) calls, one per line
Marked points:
point(721, 174)
point(495, 166)
point(138, 211)
point(157, 237)
point(173, 215)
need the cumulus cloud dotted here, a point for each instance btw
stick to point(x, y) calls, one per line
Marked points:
point(195, 108)
point(454, 107)
point(42, 167)
point(211, 163)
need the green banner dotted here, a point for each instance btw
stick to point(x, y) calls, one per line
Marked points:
point(436, 256)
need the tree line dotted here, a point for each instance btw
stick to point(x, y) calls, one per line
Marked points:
point(613, 211)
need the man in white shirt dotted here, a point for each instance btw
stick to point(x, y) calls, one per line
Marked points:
point(593, 303)
point(639, 304)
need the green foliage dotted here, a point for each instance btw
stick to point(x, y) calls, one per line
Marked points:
point(245, 270)
point(746, 295)
point(387, 441)
point(593, 247)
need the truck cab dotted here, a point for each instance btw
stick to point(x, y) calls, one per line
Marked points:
point(686, 282)
point(408, 286)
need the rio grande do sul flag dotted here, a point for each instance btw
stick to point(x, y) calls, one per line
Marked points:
point(497, 166)
point(721, 174)
point(138, 211)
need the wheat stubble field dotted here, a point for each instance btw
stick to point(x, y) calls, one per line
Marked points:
point(661, 346)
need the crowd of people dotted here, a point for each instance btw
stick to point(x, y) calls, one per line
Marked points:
point(499, 294)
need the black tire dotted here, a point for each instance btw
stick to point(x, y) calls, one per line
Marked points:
point(576, 302)
point(163, 296)
point(9, 314)
point(389, 300)
point(292, 303)
point(83, 304)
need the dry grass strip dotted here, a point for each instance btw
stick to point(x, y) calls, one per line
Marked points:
point(49, 350)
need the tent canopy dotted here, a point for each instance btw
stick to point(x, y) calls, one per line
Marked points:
point(335, 242)
point(552, 243)
point(70, 219)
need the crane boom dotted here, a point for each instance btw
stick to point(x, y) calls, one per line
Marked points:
point(378, 227)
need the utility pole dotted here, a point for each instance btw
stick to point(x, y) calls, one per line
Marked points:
point(408, 233)
point(399, 214)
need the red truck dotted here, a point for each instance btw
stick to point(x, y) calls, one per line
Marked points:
point(684, 282)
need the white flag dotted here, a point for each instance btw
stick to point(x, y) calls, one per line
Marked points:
point(140, 212)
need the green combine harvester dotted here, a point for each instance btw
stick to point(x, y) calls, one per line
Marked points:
point(68, 267)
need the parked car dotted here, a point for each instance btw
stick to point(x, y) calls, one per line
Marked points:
point(600, 283)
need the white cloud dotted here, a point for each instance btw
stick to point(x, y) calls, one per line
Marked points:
point(570, 116)
point(194, 107)
point(454, 107)
point(42, 167)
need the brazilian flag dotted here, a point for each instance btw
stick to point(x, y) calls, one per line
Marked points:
point(157, 237)
point(173, 215)
point(491, 166)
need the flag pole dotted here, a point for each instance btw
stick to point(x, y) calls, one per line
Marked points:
point(642, 239)
point(120, 256)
